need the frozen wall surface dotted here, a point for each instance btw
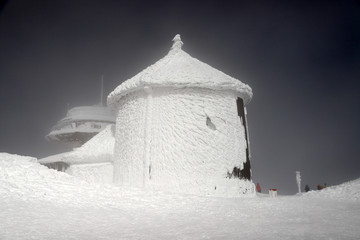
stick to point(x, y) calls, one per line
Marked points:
point(178, 128)
point(181, 140)
point(130, 140)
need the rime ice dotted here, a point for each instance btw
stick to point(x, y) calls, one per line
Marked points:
point(181, 127)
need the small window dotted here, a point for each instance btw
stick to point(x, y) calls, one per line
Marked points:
point(59, 166)
point(95, 125)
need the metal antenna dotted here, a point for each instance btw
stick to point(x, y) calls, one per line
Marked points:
point(102, 90)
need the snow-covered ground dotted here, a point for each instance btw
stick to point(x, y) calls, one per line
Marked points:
point(39, 203)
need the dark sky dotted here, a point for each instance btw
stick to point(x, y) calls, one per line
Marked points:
point(302, 61)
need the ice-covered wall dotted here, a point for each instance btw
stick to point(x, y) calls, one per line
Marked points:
point(181, 140)
point(129, 140)
point(93, 173)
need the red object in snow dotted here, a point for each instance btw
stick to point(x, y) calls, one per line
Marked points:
point(258, 188)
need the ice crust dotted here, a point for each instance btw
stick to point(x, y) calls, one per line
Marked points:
point(163, 141)
point(178, 70)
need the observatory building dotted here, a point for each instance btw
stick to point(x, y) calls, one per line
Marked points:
point(81, 124)
point(181, 127)
point(89, 130)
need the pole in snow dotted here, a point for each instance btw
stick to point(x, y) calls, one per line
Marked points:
point(102, 90)
point(298, 180)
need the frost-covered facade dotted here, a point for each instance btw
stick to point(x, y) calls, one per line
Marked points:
point(181, 127)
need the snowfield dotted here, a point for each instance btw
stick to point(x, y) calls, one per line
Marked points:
point(39, 203)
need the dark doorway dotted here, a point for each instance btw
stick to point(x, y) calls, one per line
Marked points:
point(245, 172)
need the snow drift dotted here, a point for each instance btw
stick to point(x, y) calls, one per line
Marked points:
point(39, 203)
point(25, 179)
point(345, 191)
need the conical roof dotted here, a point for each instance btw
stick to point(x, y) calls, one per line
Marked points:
point(178, 69)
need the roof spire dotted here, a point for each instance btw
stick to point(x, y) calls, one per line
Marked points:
point(177, 43)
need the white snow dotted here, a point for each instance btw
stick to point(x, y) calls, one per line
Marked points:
point(178, 70)
point(346, 191)
point(39, 203)
point(94, 173)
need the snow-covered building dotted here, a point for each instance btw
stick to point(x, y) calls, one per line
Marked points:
point(91, 128)
point(91, 162)
point(90, 131)
point(181, 127)
point(81, 124)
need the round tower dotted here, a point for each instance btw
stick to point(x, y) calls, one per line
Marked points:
point(181, 127)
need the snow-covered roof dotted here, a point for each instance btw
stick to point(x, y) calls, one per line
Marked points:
point(53, 158)
point(98, 149)
point(178, 69)
point(89, 113)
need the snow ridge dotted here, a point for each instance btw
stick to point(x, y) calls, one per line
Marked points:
point(39, 203)
point(345, 191)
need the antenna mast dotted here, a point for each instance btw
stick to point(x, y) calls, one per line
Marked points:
point(102, 90)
